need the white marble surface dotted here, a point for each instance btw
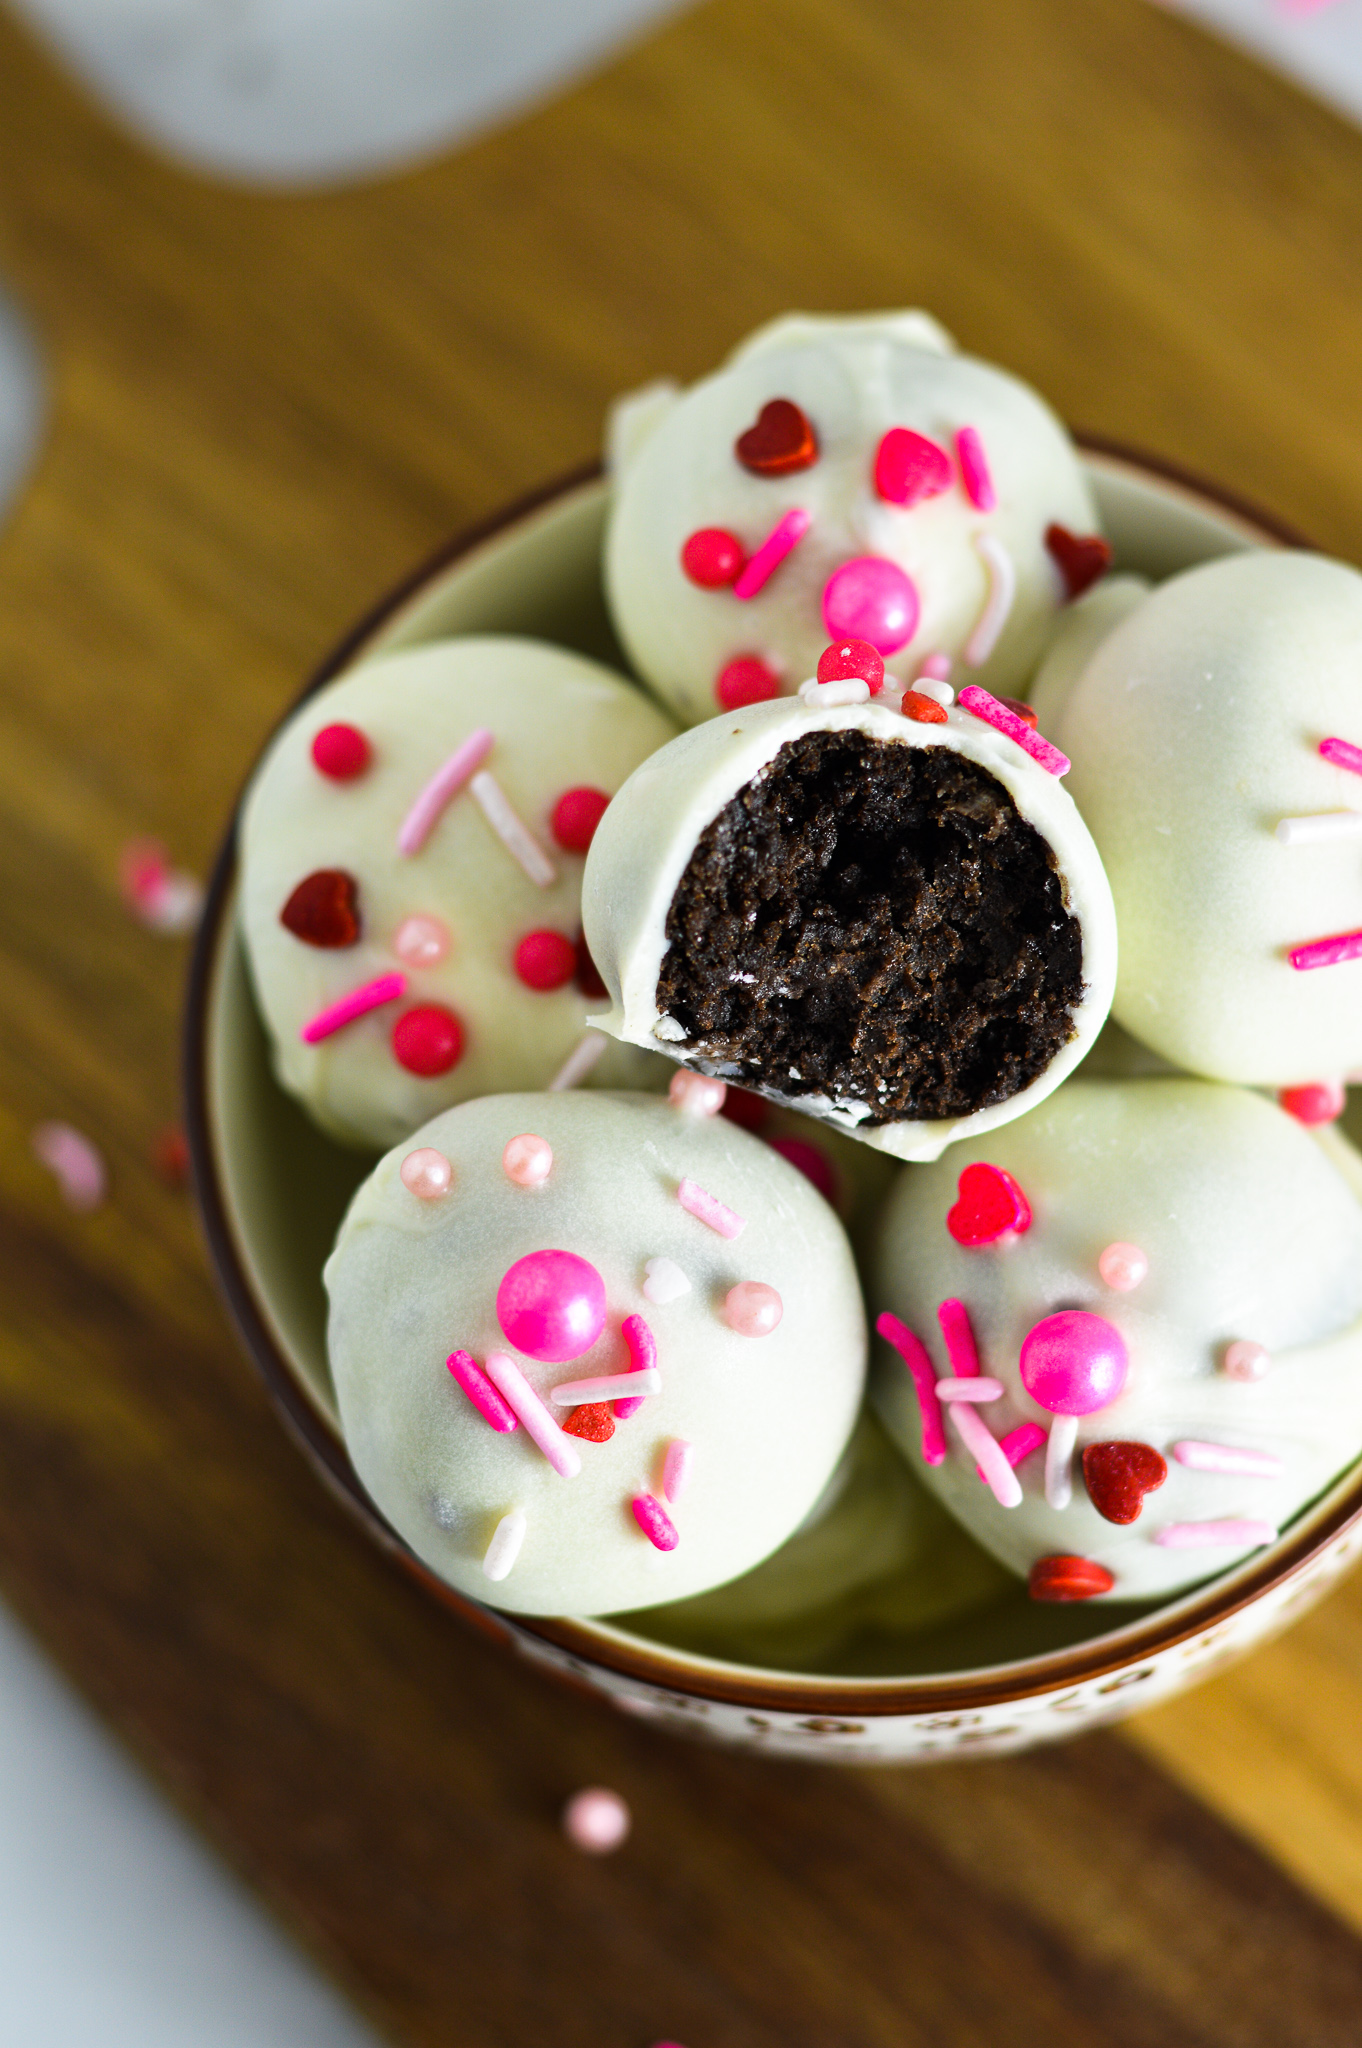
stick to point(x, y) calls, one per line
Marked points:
point(322, 91)
point(120, 1930)
point(1316, 42)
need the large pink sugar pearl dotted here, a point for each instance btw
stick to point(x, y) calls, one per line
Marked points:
point(551, 1305)
point(871, 599)
point(1074, 1363)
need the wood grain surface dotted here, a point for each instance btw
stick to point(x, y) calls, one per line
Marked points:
point(265, 410)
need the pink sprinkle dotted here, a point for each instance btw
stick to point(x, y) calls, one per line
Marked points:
point(676, 1467)
point(935, 669)
point(596, 1820)
point(1073, 1362)
point(421, 941)
point(977, 1437)
point(165, 899)
point(1019, 1443)
point(909, 468)
point(753, 1309)
point(1326, 952)
point(977, 1388)
point(445, 783)
point(974, 470)
point(426, 1173)
point(77, 1165)
point(642, 1347)
point(1315, 1102)
point(654, 1521)
point(1231, 1535)
point(480, 1391)
point(1343, 754)
point(709, 1209)
point(985, 706)
point(551, 1305)
point(871, 598)
point(388, 988)
point(1123, 1267)
point(1246, 1361)
point(606, 1386)
point(511, 829)
point(540, 1426)
point(761, 566)
point(696, 1094)
point(958, 1332)
point(527, 1160)
point(914, 1355)
point(1227, 1458)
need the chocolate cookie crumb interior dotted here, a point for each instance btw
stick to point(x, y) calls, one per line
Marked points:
point(874, 922)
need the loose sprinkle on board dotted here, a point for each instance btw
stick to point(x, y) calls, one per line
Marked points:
point(387, 988)
point(914, 1355)
point(1229, 1458)
point(1326, 952)
point(607, 1386)
point(590, 1048)
point(596, 1821)
point(1002, 594)
point(480, 1391)
point(642, 1348)
point(444, 784)
point(504, 1548)
point(511, 830)
point(163, 898)
point(76, 1164)
point(654, 1521)
point(540, 1426)
point(1227, 1535)
point(783, 538)
point(979, 1439)
point(663, 1281)
point(983, 705)
point(975, 474)
point(709, 1209)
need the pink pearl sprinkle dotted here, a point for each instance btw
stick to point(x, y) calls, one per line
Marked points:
point(871, 599)
point(1074, 1363)
point(421, 941)
point(426, 1173)
point(676, 1467)
point(527, 1160)
point(655, 1522)
point(1316, 1102)
point(545, 960)
point(1123, 1266)
point(752, 1308)
point(1245, 1360)
point(975, 474)
point(596, 1821)
point(760, 567)
point(696, 1094)
point(551, 1305)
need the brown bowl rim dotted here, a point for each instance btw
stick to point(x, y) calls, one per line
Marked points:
point(674, 1671)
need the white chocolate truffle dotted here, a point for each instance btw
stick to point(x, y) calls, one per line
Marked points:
point(929, 945)
point(765, 1416)
point(1210, 1232)
point(951, 515)
point(1077, 637)
point(483, 951)
point(1230, 841)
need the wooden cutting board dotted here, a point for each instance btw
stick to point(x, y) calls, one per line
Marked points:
point(267, 408)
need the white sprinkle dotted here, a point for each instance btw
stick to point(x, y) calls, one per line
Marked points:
point(665, 1281)
point(589, 1048)
point(1230, 1458)
point(608, 1386)
point(980, 1389)
point(676, 1467)
point(1059, 1452)
point(504, 1548)
point(1314, 831)
point(826, 696)
point(514, 835)
point(932, 686)
point(1227, 1535)
point(1002, 589)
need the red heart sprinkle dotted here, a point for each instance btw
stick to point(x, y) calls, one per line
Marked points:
point(924, 710)
point(593, 1421)
point(989, 1204)
point(1081, 558)
point(1068, 1578)
point(781, 442)
point(1119, 1475)
point(909, 468)
point(324, 909)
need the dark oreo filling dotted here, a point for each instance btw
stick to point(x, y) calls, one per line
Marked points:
point(881, 919)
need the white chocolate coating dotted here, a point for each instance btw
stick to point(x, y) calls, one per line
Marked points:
point(1252, 1233)
point(648, 836)
point(855, 379)
point(768, 1417)
point(560, 722)
point(1194, 729)
point(1077, 637)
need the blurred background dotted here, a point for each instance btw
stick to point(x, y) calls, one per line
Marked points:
point(293, 289)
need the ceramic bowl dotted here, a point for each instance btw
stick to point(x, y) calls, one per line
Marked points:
point(939, 1655)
